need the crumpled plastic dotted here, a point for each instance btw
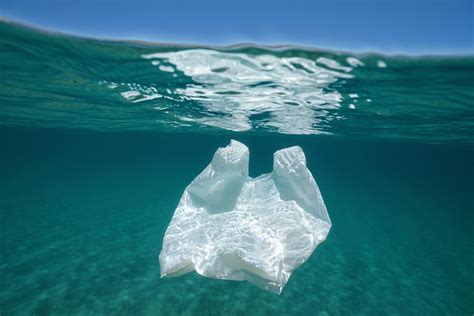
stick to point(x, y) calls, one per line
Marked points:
point(233, 227)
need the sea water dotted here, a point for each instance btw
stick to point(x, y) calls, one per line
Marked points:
point(98, 140)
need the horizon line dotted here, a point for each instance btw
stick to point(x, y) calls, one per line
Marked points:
point(224, 46)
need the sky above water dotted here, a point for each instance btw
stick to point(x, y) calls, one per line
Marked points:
point(415, 27)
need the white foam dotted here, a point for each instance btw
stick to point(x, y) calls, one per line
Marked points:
point(166, 68)
point(130, 95)
point(354, 62)
point(381, 64)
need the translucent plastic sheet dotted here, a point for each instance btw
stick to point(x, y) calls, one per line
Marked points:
point(234, 227)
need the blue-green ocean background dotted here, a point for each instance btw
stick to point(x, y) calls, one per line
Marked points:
point(97, 144)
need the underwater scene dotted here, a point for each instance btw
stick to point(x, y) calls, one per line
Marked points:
point(99, 139)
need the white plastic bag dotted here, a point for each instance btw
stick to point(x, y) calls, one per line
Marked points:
point(234, 227)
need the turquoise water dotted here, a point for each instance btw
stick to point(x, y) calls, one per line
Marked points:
point(99, 140)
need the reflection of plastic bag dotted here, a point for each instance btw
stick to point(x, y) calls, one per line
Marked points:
point(233, 227)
